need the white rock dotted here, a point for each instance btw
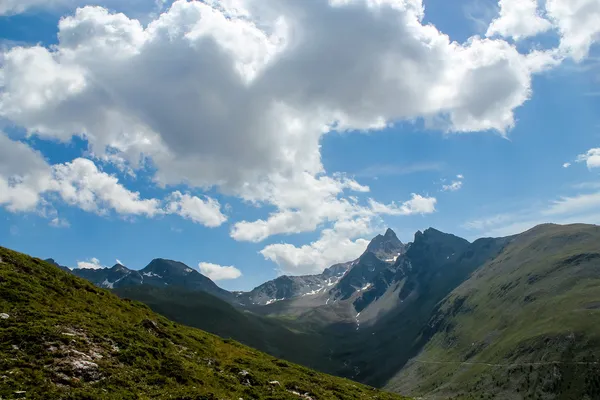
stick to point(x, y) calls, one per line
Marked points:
point(4, 316)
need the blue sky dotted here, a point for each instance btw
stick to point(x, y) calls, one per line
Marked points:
point(205, 137)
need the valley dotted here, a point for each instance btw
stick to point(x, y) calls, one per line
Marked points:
point(436, 318)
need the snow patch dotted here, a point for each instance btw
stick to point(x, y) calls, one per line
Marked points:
point(151, 274)
point(188, 270)
point(357, 321)
point(271, 301)
point(366, 287)
point(107, 284)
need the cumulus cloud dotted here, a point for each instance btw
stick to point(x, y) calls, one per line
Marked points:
point(342, 242)
point(26, 179)
point(113, 80)
point(518, 19)
point(578, 22)
point(203, 211)
point(218, 272)
point(92, 263)
point(80, 183)
point(566, 165)
point(591, 158)
point(345, 240)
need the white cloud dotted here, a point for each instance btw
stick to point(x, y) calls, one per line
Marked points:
point(92, 263)
point(416, 205)
point(345, 240)
point(579, 208)
point(11, 7)
point(578, 22)
point(206, 212)
point(518, 19)
point(454, 185)
point(218, 272)
point(574, 204)
point(59, 223)
point(27, 182)
point(80, 183)
point(116, 84)
point(566, 165)
point(342, 242)
point(303, 203)
point(591, 158)
point(24, 174)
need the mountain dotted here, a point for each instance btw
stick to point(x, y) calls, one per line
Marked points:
point(387, 247)
point(62, 337)
point(399, 301)
point(51, 261)
point(524, 325)
point(159, 272)
point(383, 249)
point(115, 276)
point(289, 287)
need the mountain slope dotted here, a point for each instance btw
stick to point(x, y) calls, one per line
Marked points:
point(384, 335)
point(62, 337)
point(525, 325)
point(289, 287)
point(382, 250)
point(159, 272)
point(204, 311)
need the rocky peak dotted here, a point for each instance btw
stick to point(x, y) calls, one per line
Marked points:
point(386, 247)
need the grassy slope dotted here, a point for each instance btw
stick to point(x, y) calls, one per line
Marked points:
point(66, 338)
point(204, 311)
point(538, 301)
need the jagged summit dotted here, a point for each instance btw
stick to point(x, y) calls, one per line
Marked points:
point(390, 233)
point(386, 247)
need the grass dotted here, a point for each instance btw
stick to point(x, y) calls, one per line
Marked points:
point(67, 339)
point(537, 302)
point(277, 337)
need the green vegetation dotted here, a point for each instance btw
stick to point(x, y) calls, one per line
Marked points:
point(61, 337)
point(277, 336)
point(524, 326)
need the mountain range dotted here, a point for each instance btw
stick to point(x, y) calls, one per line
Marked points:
point(508, 317)
point(63, 338)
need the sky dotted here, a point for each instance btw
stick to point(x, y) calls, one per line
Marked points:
point(254, 138)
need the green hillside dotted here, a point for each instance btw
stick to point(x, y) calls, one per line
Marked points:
point(205, 311)
point(526, 325)
point(63, 338)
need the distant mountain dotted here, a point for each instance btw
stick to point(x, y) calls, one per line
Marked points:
point(289, 287)
point(159, 272)
point(109, 278)
point(62, 337)
point(51, 261)
point(523, 326)
point(387, 247)
point(373, 316)
point(381, 251)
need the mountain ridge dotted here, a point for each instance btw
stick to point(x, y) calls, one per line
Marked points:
point(63, 337)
